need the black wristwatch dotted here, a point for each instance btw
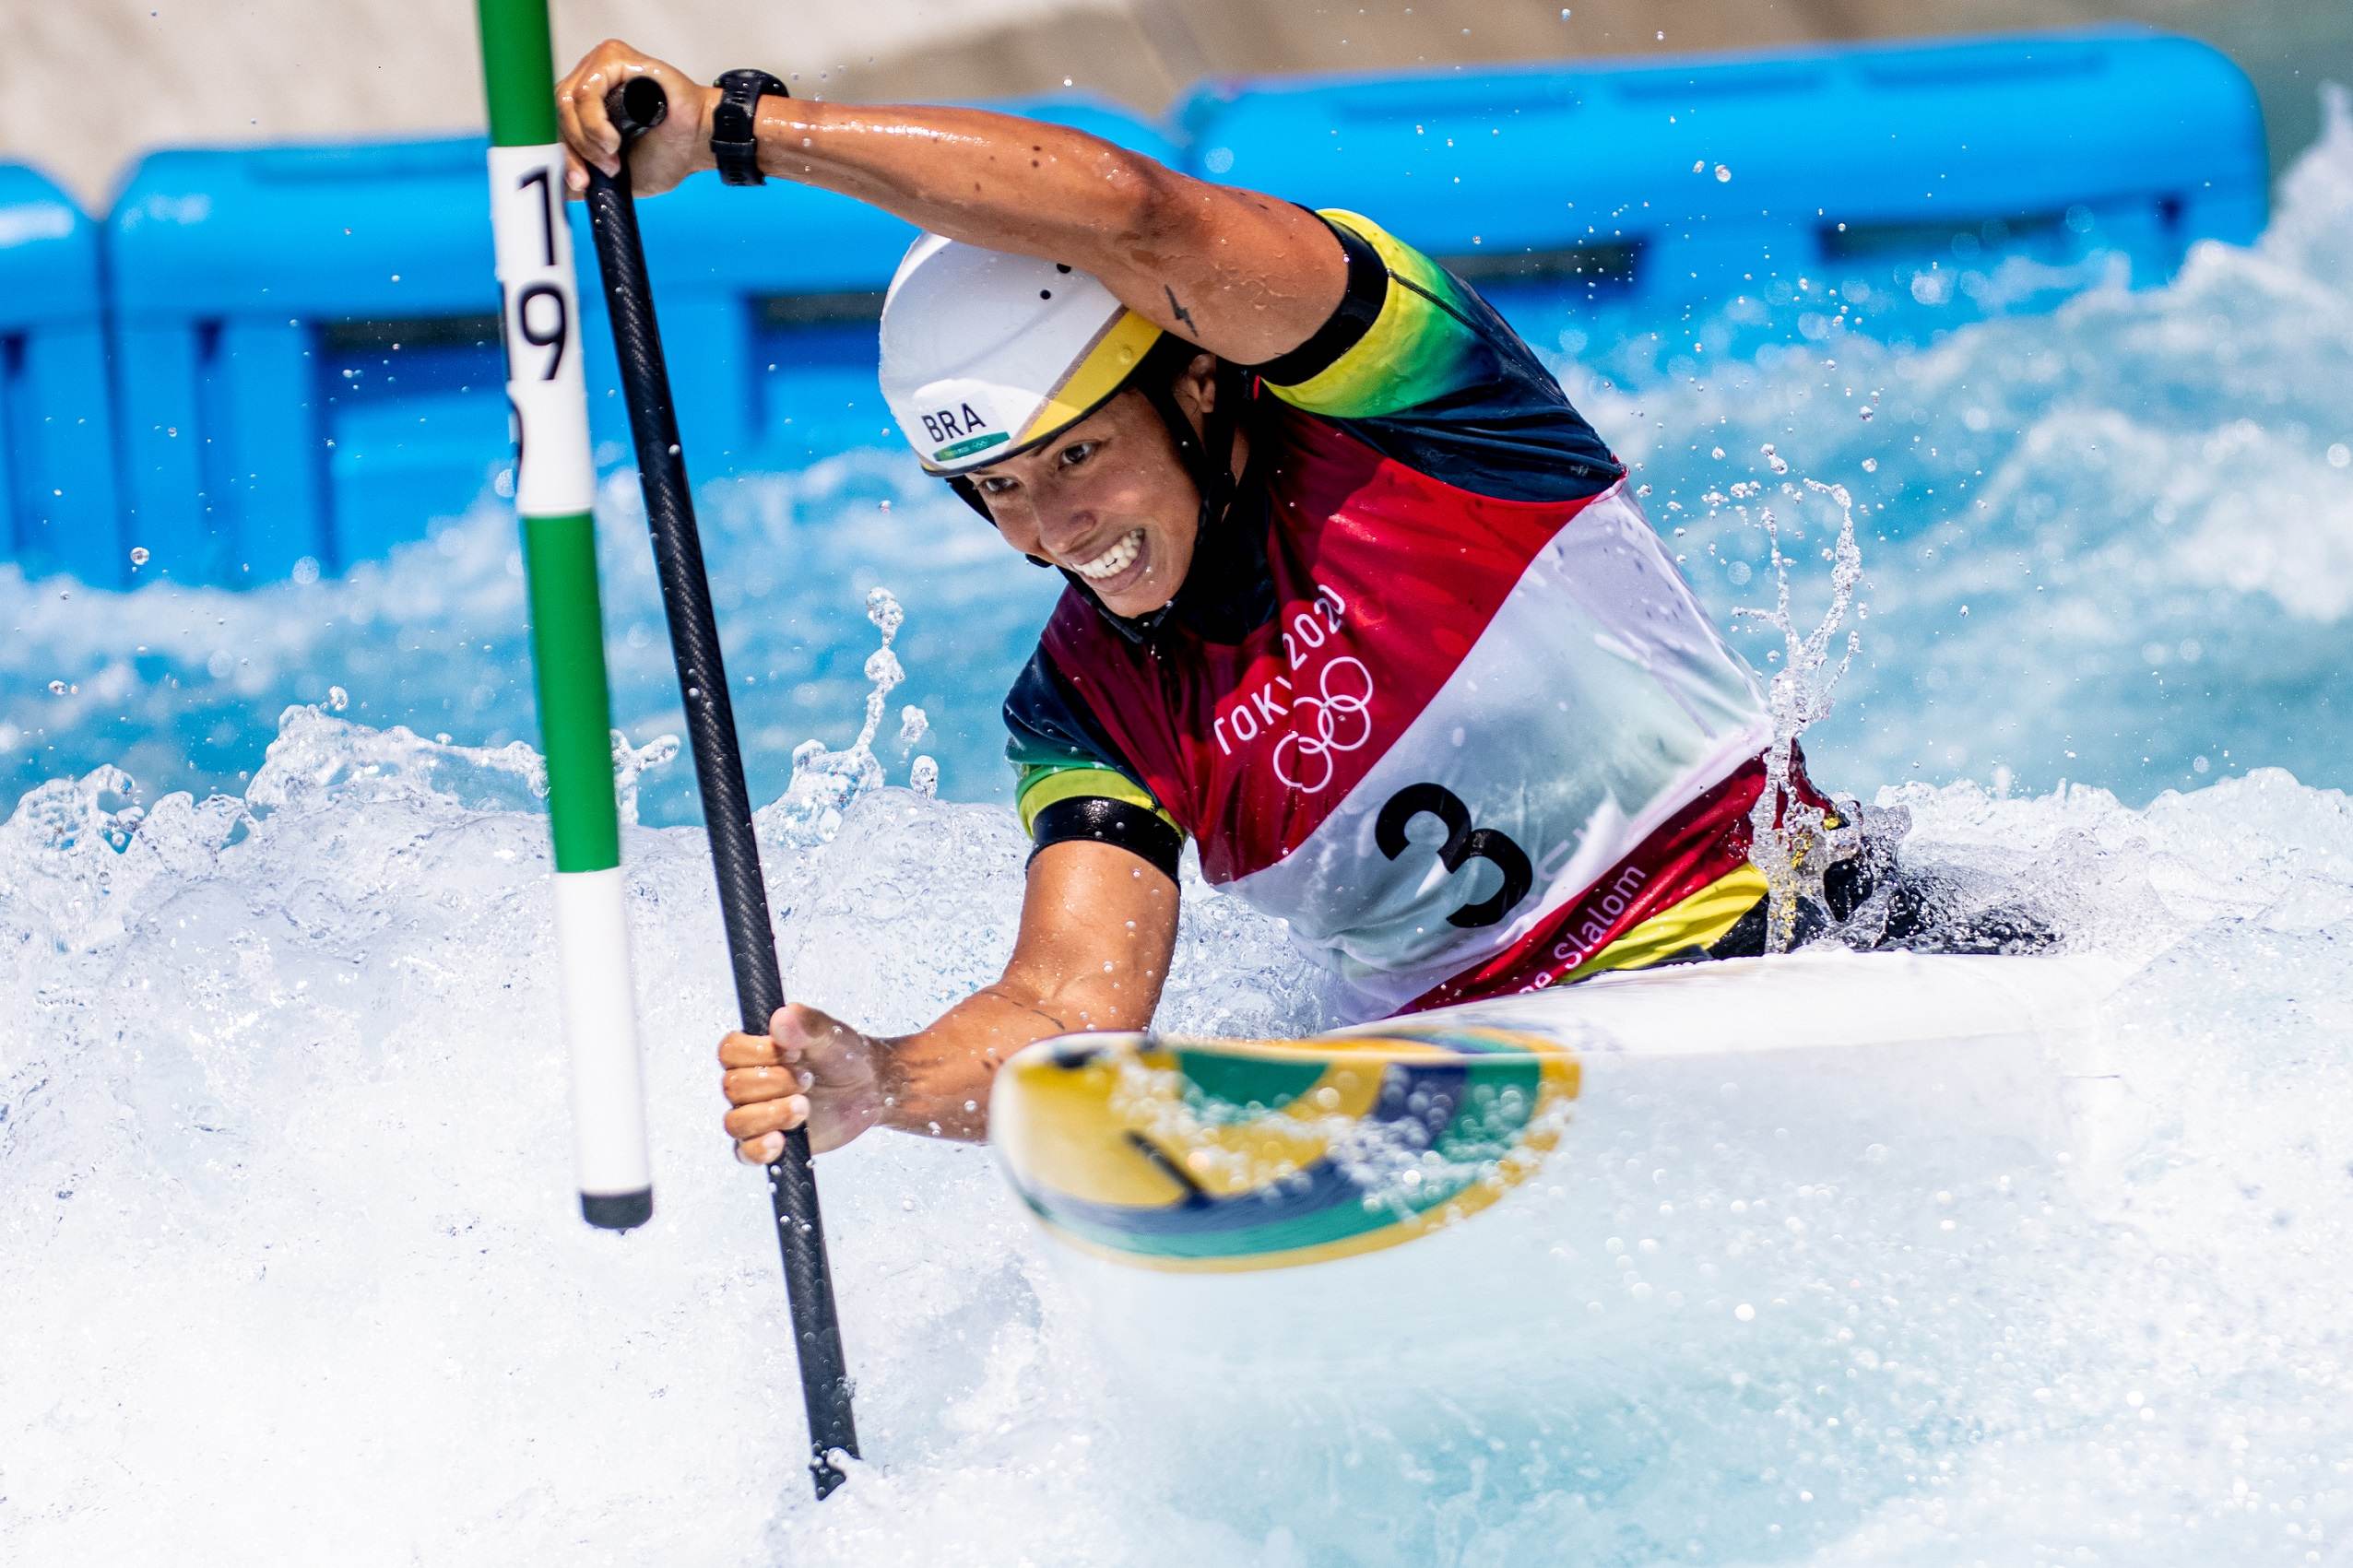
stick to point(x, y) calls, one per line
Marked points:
point(735, 140)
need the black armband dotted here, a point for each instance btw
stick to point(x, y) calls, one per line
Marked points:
point(1360, 306)
point(1095, 819)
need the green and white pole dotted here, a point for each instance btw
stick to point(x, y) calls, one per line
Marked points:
point(555, 487)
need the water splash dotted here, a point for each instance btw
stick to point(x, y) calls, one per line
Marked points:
point(826, 782)
point(317, 756)
point(1793, 843)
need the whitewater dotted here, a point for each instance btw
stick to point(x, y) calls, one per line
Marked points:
point(290, 1263)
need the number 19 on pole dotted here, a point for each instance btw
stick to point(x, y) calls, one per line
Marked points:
point(554, 489)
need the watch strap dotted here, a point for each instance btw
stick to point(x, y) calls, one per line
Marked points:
point(735, 143)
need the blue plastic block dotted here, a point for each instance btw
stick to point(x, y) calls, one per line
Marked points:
point(1709, 178)
point(259, 294)
point(309, 354)
point(57, 500)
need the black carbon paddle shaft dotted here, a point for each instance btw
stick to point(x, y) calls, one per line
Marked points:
point(718, 767)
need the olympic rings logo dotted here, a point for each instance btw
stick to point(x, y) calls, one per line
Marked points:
point(1343, 722)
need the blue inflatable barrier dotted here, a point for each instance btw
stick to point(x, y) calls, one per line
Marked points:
point(268, 416)
point(309, 355)
point(1710, 178)
point(58, 508)
point(306, 355)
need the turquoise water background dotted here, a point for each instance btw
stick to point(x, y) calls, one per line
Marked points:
point(288, 1266)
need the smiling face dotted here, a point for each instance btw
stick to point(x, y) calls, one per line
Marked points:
point(1108, 498)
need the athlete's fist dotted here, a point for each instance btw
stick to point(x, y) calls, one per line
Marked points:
point(809, 1068)
point(666, 154)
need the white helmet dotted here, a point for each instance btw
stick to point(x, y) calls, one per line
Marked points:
point(985, 353)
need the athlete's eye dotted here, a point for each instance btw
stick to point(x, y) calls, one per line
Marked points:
point(996, 484)
point(1075, 453)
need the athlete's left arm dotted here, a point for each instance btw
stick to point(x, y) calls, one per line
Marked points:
point(1243, 275)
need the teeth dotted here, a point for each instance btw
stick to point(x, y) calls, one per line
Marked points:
point(1113, 561)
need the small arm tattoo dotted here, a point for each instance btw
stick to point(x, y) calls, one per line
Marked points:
point(1178, 306)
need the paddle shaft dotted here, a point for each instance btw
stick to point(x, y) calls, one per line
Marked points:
point(636, 107)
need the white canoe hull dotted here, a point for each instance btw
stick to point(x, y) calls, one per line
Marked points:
point(1751, 1146)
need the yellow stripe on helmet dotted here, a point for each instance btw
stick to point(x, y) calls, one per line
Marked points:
point(1110, 359)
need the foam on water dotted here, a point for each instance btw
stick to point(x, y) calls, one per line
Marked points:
point(182, 686)
point(289, 1235)
point(289, 1267)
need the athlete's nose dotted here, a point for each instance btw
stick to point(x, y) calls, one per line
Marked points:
point(1062, 532)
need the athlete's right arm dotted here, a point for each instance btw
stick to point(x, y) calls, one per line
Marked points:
point(1098, 927)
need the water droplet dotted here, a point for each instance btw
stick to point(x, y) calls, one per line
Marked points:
point(1746, 1313)
point(337, 698)
point(1867, 410)
point(140, 556)
point(1871, 464)
point(2340, 456)
point(57, 689)
point(1724, 175)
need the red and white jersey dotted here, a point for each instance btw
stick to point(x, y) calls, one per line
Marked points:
point(1461, 741)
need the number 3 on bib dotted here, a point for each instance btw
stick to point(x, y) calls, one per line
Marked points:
point(1463, 842)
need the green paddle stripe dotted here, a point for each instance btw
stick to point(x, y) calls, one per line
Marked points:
point(575, 711)
point(519, 64)
point(1237, 1082)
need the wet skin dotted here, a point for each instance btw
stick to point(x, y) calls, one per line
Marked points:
point(1244, 276)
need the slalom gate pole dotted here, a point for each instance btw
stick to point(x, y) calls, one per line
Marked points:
point(636, 107)
point(555, 486)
